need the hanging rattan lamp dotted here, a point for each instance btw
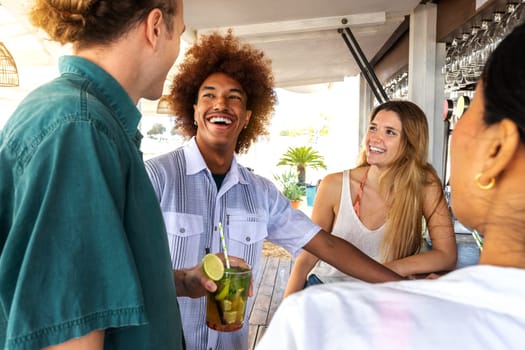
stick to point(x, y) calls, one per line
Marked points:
point(8, 70)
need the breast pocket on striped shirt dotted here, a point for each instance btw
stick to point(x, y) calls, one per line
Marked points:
point(246, 236)
point(184, 237)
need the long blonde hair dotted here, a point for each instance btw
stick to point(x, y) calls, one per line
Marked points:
point(403, 183)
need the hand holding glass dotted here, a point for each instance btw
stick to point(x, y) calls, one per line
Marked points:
point(226, 307)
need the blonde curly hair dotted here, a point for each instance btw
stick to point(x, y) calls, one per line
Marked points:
point(87, 22)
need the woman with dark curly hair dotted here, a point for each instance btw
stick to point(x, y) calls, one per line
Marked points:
point(223, 97)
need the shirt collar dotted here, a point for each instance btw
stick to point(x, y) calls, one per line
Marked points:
point(195, 163)
point(106, 89)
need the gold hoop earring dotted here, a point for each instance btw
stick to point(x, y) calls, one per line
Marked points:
point(488, 186)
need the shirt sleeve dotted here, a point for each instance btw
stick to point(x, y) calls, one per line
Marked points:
point(68, 252)
point(288, 227)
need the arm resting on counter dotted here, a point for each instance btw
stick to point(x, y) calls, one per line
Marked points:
point(330, 249)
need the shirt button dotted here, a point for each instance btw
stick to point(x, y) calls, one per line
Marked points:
point(182, 230)
point(248, 239)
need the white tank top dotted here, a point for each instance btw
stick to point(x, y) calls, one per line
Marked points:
point(348, 226)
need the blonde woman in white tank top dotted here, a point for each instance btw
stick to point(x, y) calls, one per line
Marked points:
point(372, 205)
point(348, 226)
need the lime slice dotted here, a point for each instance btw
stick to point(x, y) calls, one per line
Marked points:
point(223, 293)
point(212, 267)
point(226, 305)
point(229, 317)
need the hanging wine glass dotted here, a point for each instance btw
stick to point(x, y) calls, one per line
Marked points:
point(509, 22)
point(517, 17)
point(390, 88)
point(493, 35)
point(451, 68)
point(466, 61)
point(448, 55)
point(404, 85)
point(486, 42)
point(520, 13)
point(475, 55)
point(453, 76)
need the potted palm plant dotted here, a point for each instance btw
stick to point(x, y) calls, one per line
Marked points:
point(302, 157)
point(291, 188)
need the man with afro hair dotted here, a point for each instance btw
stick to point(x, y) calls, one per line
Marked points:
point(223, 97)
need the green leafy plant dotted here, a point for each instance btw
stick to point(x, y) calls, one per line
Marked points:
point(302, 157)
point(156, 129)
point(290, 187)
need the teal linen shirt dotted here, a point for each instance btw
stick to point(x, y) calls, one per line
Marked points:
point(82, 239)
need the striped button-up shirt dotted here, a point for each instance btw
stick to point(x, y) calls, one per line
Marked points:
point(250, 208)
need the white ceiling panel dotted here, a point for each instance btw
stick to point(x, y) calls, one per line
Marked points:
point(299, 36)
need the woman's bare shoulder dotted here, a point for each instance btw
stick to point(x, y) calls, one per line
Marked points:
point(333, 177)
point(358, 173)
point(334, 181)
point(331, 182)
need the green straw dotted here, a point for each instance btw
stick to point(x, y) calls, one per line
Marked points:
point(478, 239)
point(223, 241)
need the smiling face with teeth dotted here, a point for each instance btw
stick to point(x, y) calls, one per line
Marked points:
point(220, 113)
point(383, 138)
